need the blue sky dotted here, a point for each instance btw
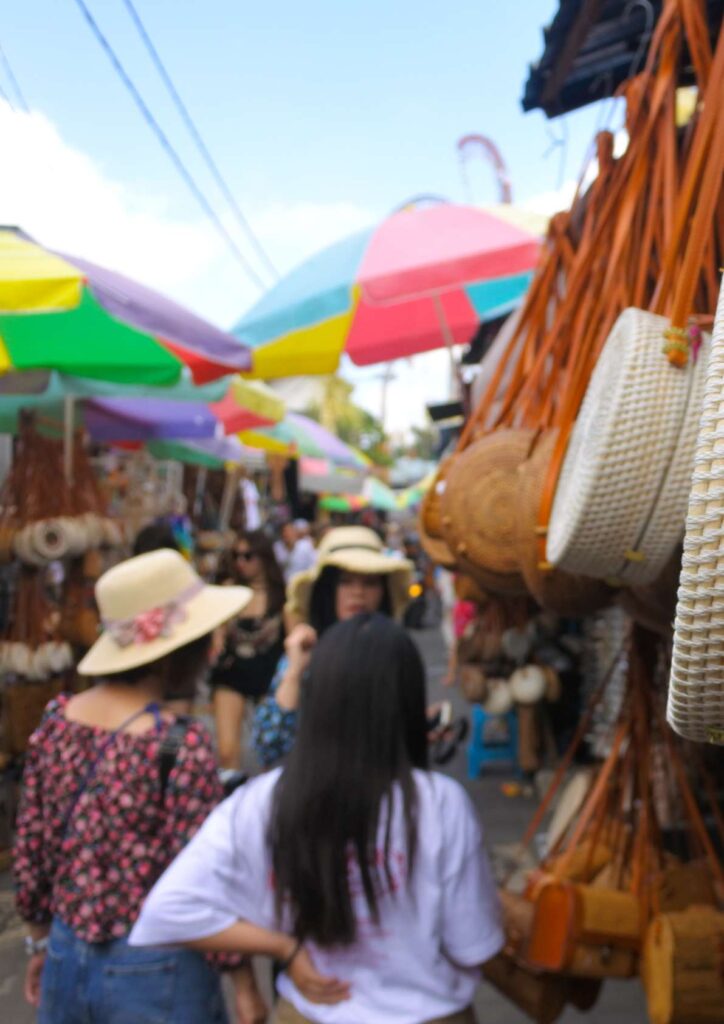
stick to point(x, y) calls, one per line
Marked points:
point(323, 116)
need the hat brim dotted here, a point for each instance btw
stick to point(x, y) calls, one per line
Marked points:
point(368, 563)
point(211, 608)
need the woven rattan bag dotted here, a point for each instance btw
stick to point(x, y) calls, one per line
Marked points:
point(430, 509)
point(620, 503)
point(554, 589)
point(435, 548)
point(478, 508)
point(682, 966)
point(696, 688)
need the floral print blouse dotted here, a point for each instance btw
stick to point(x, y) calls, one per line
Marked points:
point(274, 729)
point(95, 872)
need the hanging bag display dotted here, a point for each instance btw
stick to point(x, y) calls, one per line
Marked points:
point(620, 504)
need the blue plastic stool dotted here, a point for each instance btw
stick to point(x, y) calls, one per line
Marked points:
point(481, 753)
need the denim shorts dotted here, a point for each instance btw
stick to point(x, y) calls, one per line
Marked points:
point(114, 983)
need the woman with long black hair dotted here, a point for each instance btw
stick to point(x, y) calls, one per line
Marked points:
point(254, 642)
point(356, 867)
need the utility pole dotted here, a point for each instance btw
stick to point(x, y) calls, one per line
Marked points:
point(386, 377)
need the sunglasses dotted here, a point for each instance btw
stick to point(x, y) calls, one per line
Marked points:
point(245, 556)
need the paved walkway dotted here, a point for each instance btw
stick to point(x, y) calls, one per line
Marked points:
point(504, 820)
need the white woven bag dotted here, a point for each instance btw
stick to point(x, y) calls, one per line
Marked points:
point(620, 504)
point(696, 687)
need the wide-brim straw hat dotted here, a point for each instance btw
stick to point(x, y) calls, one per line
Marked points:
point(353, 549)
point(151, 605)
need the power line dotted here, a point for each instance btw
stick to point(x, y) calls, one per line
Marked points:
point(196, 135)
point(14, 83)
point(166, 144)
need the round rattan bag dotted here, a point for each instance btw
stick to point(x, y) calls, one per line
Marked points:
point(620, 504)
point(435, 548)
point(431, 508)
point(478, 507)
point(696, 688)
point(554, 589)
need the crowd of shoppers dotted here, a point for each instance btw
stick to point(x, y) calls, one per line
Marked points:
point(361, 872)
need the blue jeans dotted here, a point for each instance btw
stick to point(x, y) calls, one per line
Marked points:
point(114, 983)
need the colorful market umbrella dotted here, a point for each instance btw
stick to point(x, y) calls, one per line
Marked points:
point(375, 494)
point(213, 452)
point(320, 476)
point(424, 278)
point(63, 313)
point(223, 406)
point(245, 405)
point(342, 503)
point(297, 435)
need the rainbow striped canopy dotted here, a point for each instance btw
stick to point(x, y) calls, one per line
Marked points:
point(122, 412)
point(424, 278)
point(66, 314)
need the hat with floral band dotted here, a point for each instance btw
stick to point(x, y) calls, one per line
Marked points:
point(354, 549)
point(151, 605)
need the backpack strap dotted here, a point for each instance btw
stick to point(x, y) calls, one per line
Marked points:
point(170, 746)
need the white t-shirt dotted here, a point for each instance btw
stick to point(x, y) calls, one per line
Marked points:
point(420, 962)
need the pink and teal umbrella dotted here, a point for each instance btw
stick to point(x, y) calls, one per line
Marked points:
point(424, 278)
point(62, 313)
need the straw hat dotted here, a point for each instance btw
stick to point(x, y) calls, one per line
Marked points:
point(354, 549)
point(151, 605)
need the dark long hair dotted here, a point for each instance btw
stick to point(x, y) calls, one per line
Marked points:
point(322, 603)
point(261, 546)
point(362, 730)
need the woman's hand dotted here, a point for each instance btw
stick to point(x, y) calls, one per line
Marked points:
point(299, 646)
point(315, 986)
point(250, 1005)
point(33, 976)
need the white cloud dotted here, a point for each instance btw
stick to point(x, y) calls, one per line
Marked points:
point(60, 196)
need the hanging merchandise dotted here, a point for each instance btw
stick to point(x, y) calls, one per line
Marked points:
point(627, 277)
point(478, 508)
point(696, 688)
point(610, 899)
point(42, 519)
point(621, 497)
point(565, 592)
point(682, 966)
point(430, 521)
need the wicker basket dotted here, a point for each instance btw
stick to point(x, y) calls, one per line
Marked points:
point(509, 584)
point(435, 548)
point(478, 503)
point(620, 504)
point(682, 966)
point(555, 590)
point(431, 506)
point(696, 688)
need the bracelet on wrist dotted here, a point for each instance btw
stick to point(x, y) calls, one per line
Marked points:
point(286, 964)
